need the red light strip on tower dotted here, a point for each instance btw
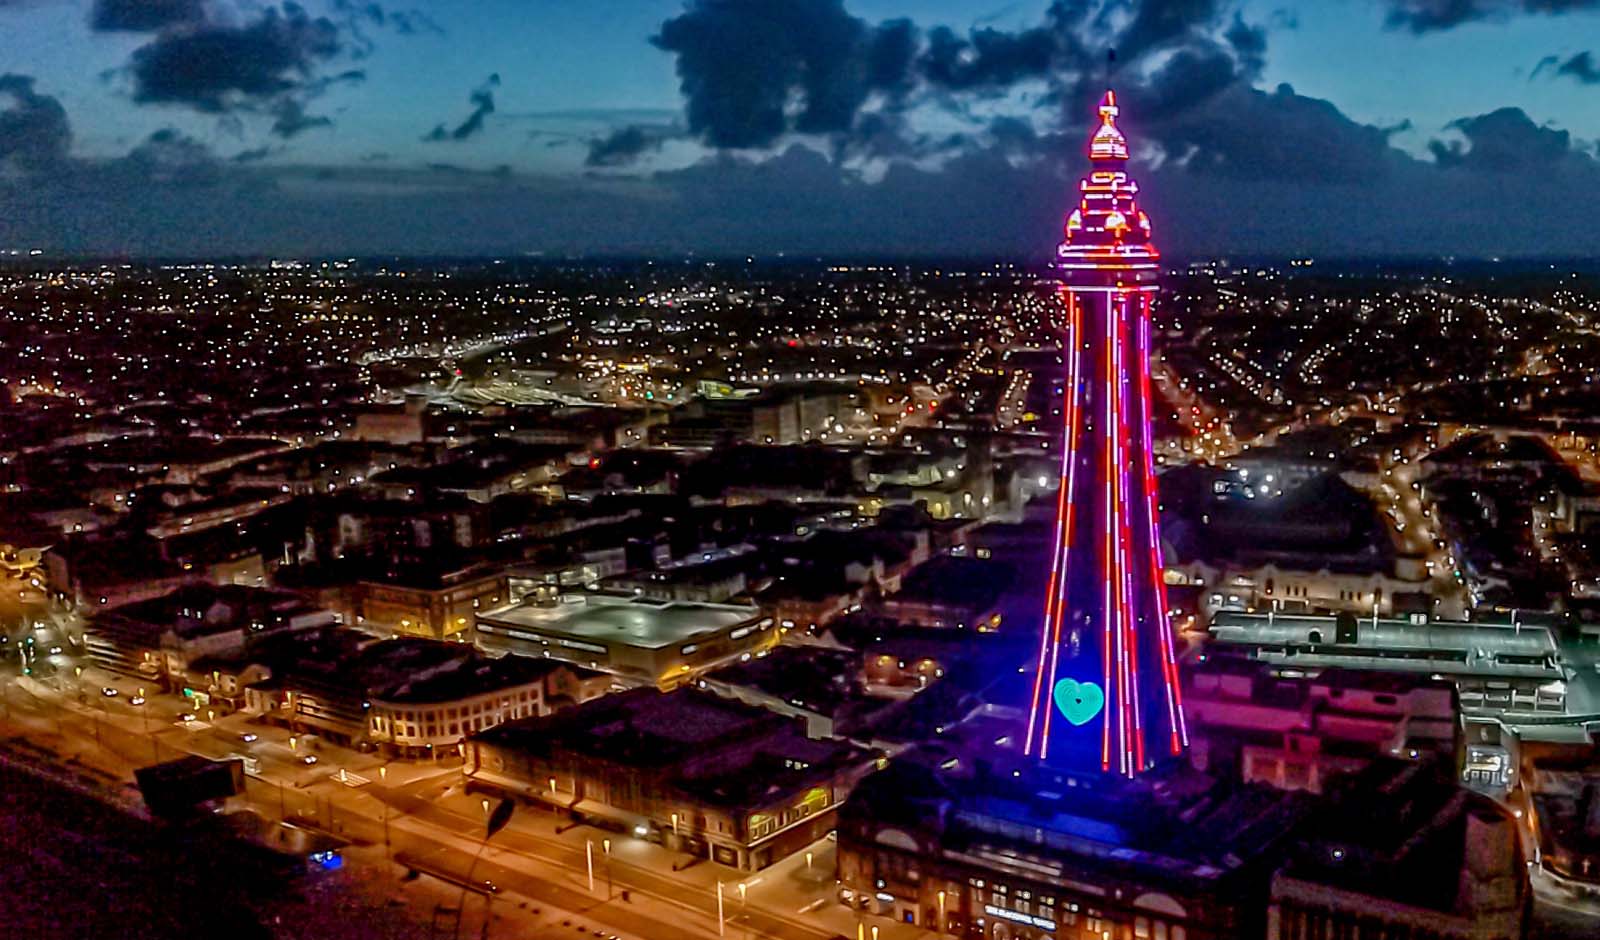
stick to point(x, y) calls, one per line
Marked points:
point(1125, 538)
point(1055, 598)
point(1108, 474)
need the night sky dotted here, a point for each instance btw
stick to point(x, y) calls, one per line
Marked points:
point(810, 127)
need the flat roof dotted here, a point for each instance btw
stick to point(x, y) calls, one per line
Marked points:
point(639, 727)
point(633, 621)
point(1521, 640)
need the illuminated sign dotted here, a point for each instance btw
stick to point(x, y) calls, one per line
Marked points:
point(1043, 923)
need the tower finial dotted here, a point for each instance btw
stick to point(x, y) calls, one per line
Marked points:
point(1108, 142)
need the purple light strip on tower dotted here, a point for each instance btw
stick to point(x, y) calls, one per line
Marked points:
point(1180, 731)
point(1114, 690)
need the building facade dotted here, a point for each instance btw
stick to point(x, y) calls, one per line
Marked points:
point(701, 774)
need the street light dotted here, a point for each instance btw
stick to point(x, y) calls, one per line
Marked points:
point(383, 779)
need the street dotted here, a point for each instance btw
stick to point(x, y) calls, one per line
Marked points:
point(401, 815)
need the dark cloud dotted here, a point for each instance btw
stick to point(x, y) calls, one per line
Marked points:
point(1012, 133)
point(270, 64)
point(169, 156)
point(1161, 24)
point(1249, 44)
point(252, 155)
point(984, 202)
point(145, 16)
point(1423, 16)
point(987, 58)
point(1545, 62)
point(34, 133)
point(482, 100)
point(216, 68)
point(752, 70)
point(1504, 140)
point(1248, 134)
point(1580, 68)
point(1190, 77)
point(626, 145)
point(890, 53)
point(289, 118)
point(405, 22)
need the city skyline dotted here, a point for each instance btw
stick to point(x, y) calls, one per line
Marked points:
point(661, 128)
point(800, 469)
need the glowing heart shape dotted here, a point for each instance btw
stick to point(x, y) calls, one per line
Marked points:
point(1078, 701)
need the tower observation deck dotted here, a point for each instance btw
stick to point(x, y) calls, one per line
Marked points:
point(1105, 691)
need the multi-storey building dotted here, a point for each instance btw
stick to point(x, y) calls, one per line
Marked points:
point(705, 775)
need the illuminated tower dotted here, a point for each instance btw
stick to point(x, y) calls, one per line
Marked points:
point(1105, 694)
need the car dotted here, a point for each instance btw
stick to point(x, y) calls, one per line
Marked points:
point(185, 718)
point(136, 700)
point(109, 692)
point(309, 759)
point(248, 737)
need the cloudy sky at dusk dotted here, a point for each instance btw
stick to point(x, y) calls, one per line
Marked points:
point(832, 127)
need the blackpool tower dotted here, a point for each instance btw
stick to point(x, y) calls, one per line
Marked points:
point(1106, 693)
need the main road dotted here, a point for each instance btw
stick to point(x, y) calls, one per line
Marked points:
point(424, 818)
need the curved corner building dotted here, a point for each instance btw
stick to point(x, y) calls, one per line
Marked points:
point(1105, 692)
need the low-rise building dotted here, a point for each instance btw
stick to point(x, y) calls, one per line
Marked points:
point(159, 639)
point(1497, 667)
point(701, 774)
point(639, 639)
point(952, 592)
point(1565, 800)
point(820, 684)
point(408, 696)
point(434, 603)
point(1294, 730)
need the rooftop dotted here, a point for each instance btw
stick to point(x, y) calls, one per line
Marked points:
point(639, 727)
point(634, 621)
